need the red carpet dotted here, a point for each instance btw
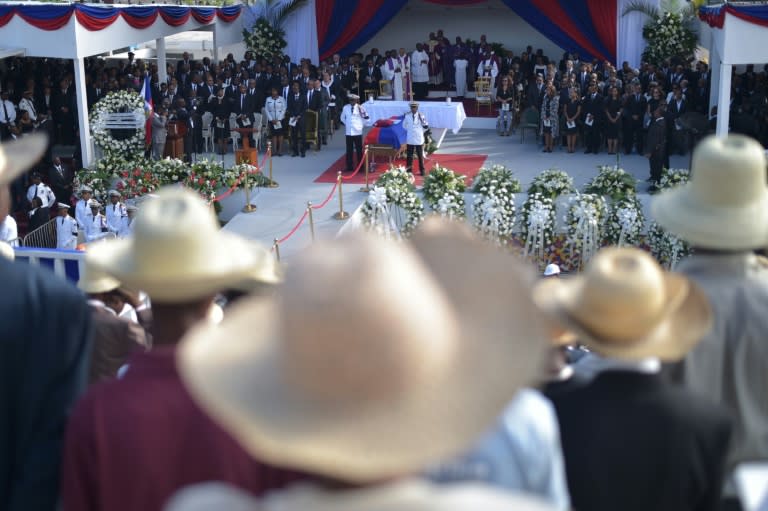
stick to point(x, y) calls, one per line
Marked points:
point(465, 164)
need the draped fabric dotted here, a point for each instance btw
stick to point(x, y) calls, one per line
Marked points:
point(715, 15)
point(352, 24)
point(301, 33)
point(630, 42)
point(456, 2)
point(570, 24)
point(55, 16)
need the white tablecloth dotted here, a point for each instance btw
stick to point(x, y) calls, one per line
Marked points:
point(439, 114)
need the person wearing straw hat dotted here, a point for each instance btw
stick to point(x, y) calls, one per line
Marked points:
point(82, 210)
point(629, 437)
point(114, 338)
point(45, 336)
point(66, 228)
point(179, 256)
point(414, 124)
point(722, 212)
point(365, 397)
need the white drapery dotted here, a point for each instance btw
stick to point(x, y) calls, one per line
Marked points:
point(630, 44)
point(300, 30)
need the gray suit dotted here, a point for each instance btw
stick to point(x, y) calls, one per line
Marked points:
point(729, 364)
point(159, 133)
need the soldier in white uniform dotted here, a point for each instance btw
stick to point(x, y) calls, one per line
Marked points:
point(66, 229)
point(353, 117)
point(415, 123)
point(126, 226)
point(115, 212)
point(82, 211)
point(42, 190)
point(98, 227)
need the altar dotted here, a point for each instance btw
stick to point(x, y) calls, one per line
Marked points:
point(439, 114)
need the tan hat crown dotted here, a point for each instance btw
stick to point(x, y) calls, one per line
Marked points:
point(627, 286)
point(728, 172)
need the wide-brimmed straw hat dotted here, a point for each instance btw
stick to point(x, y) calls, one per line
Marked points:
point(724, 206)
point(625, 306)
point(94, 281)
point(177, 252)
point(374, 359)
point(19, 155)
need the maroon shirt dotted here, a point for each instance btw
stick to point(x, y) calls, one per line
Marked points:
point(132, 443)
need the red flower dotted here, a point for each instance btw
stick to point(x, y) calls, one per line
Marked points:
point(143, 189)
point(120, 185)
point(137, 172)
point(124, 173)
point(201, 181)
point(147, 176)
point(132, 182)
point(213, 183)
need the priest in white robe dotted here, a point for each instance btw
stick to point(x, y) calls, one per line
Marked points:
point(420, 72)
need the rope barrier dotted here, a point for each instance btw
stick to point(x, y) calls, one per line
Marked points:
point(235, 186)
point(359, 166)
point(295, 228)
point(327, 199)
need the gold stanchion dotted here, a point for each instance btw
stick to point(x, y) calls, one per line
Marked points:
point(311, 220)
point(276, 246)
point(248, 208)
point(366, 188)
point(341, 214)
point(272, 182)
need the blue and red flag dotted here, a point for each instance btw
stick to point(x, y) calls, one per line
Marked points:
point(146, 93)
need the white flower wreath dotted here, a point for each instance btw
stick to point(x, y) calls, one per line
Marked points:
point(124, 101)
point(537, 226)
point(584, 220)
point(393, 208)
point(493, 210)
point(666, 247)
point(624, 223)
point(444, 192)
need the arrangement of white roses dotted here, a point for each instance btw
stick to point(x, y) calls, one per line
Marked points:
point(123, 101)
point(393, 208)
point(668, 36)
point(265, 40)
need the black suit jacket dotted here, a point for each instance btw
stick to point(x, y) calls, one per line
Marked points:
point(375, 76)
point(296, 107)
point(40, 217)
point(44, 344)
point(633, 442)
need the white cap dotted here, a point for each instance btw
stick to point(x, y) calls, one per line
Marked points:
point(551, 269)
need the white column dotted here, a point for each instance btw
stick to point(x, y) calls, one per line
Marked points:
point(82, 113)
point(162, 76)
point(215, 42)
point(714, 75)
point(724, 100)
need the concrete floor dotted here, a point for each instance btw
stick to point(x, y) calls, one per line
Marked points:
point(280, 208)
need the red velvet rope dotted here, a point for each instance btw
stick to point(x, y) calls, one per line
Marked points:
point(359, 166)
point(295, 227)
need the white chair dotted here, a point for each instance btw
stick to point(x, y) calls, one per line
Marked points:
point(234, 135)
point(207, 134)
point(257, 125)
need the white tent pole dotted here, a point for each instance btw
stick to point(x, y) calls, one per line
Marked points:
point(714, 75)
point(724, 100)
point(162, 76)
point(82, 113)
point(215, 42)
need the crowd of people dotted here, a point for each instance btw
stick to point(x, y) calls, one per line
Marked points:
point(185, 382)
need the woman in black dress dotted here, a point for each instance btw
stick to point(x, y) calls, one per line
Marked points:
point(613, 107)
point(572, 114)
point(221, 109)
point(505, 98)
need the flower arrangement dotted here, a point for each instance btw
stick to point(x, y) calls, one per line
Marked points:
point(393, 208)
point(444, 192)
point(266, 40)
point(537, 225)
point(123, 101)
point(584, 219)
point(99, 180)
point(612, 182)
point(666, 247)
point(552, 183)
point(137, 181)
point(624, 222)
point(668, 35)
point(673, 177)
point(171, 170)
point(493, 210)
point(205, 177)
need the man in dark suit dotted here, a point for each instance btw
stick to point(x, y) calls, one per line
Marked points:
point(536, 92)
point(64, 113)
point(297, 107)
point(632, 441)
point(675, 134)
point(44, 343)
point(60, 181)
point(633, 120)
point(243, 107)
point(370, 75)
point(39, 215)
point(656, 147)
point(317, 101)
point(592, 110)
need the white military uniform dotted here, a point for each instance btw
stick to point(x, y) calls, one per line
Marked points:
point(9, 231)
point(83, 214)
point(126, 227)
point(414, 125)
point(66, 232)
point(96, 228)
point(44, 192)
point(115, 214)
point(353, 118)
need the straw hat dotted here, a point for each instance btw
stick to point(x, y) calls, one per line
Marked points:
point(94, 281)
point(625, 306)
point(267, 271)
point(725, 204)
point(18, 156)
point(177, 252)
point(370, 362)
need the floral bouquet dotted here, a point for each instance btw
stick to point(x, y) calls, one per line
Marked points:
point(444, 192)
point(496, 176)
point(668, 35)
point(123, 101)
point(205, 177)
point(624, 223)
point(393, 208)
point(673, 177)
point(552, 183)
point(171, 171)
point(666, 247)
point(494, 210)
point(612, 182)
point(537, 225)
point(99, 180)
point(137, 181)
point(584, 220)
point(265, 40)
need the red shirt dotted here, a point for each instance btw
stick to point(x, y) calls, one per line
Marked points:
point(132, 443)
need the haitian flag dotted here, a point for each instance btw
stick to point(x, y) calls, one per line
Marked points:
point(146, 93)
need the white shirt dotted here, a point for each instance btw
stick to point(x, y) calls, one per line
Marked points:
point(353, 117)
point(10, 109)
point(66, 232)
point(115, 214)
point(44, 192)
point(83, 214)
point(9, 231)
point(126, 227)
point(275, 108)
point(29, 106)
point(95, 229)
point(414, 125)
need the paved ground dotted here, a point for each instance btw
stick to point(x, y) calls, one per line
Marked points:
point(279, 209)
